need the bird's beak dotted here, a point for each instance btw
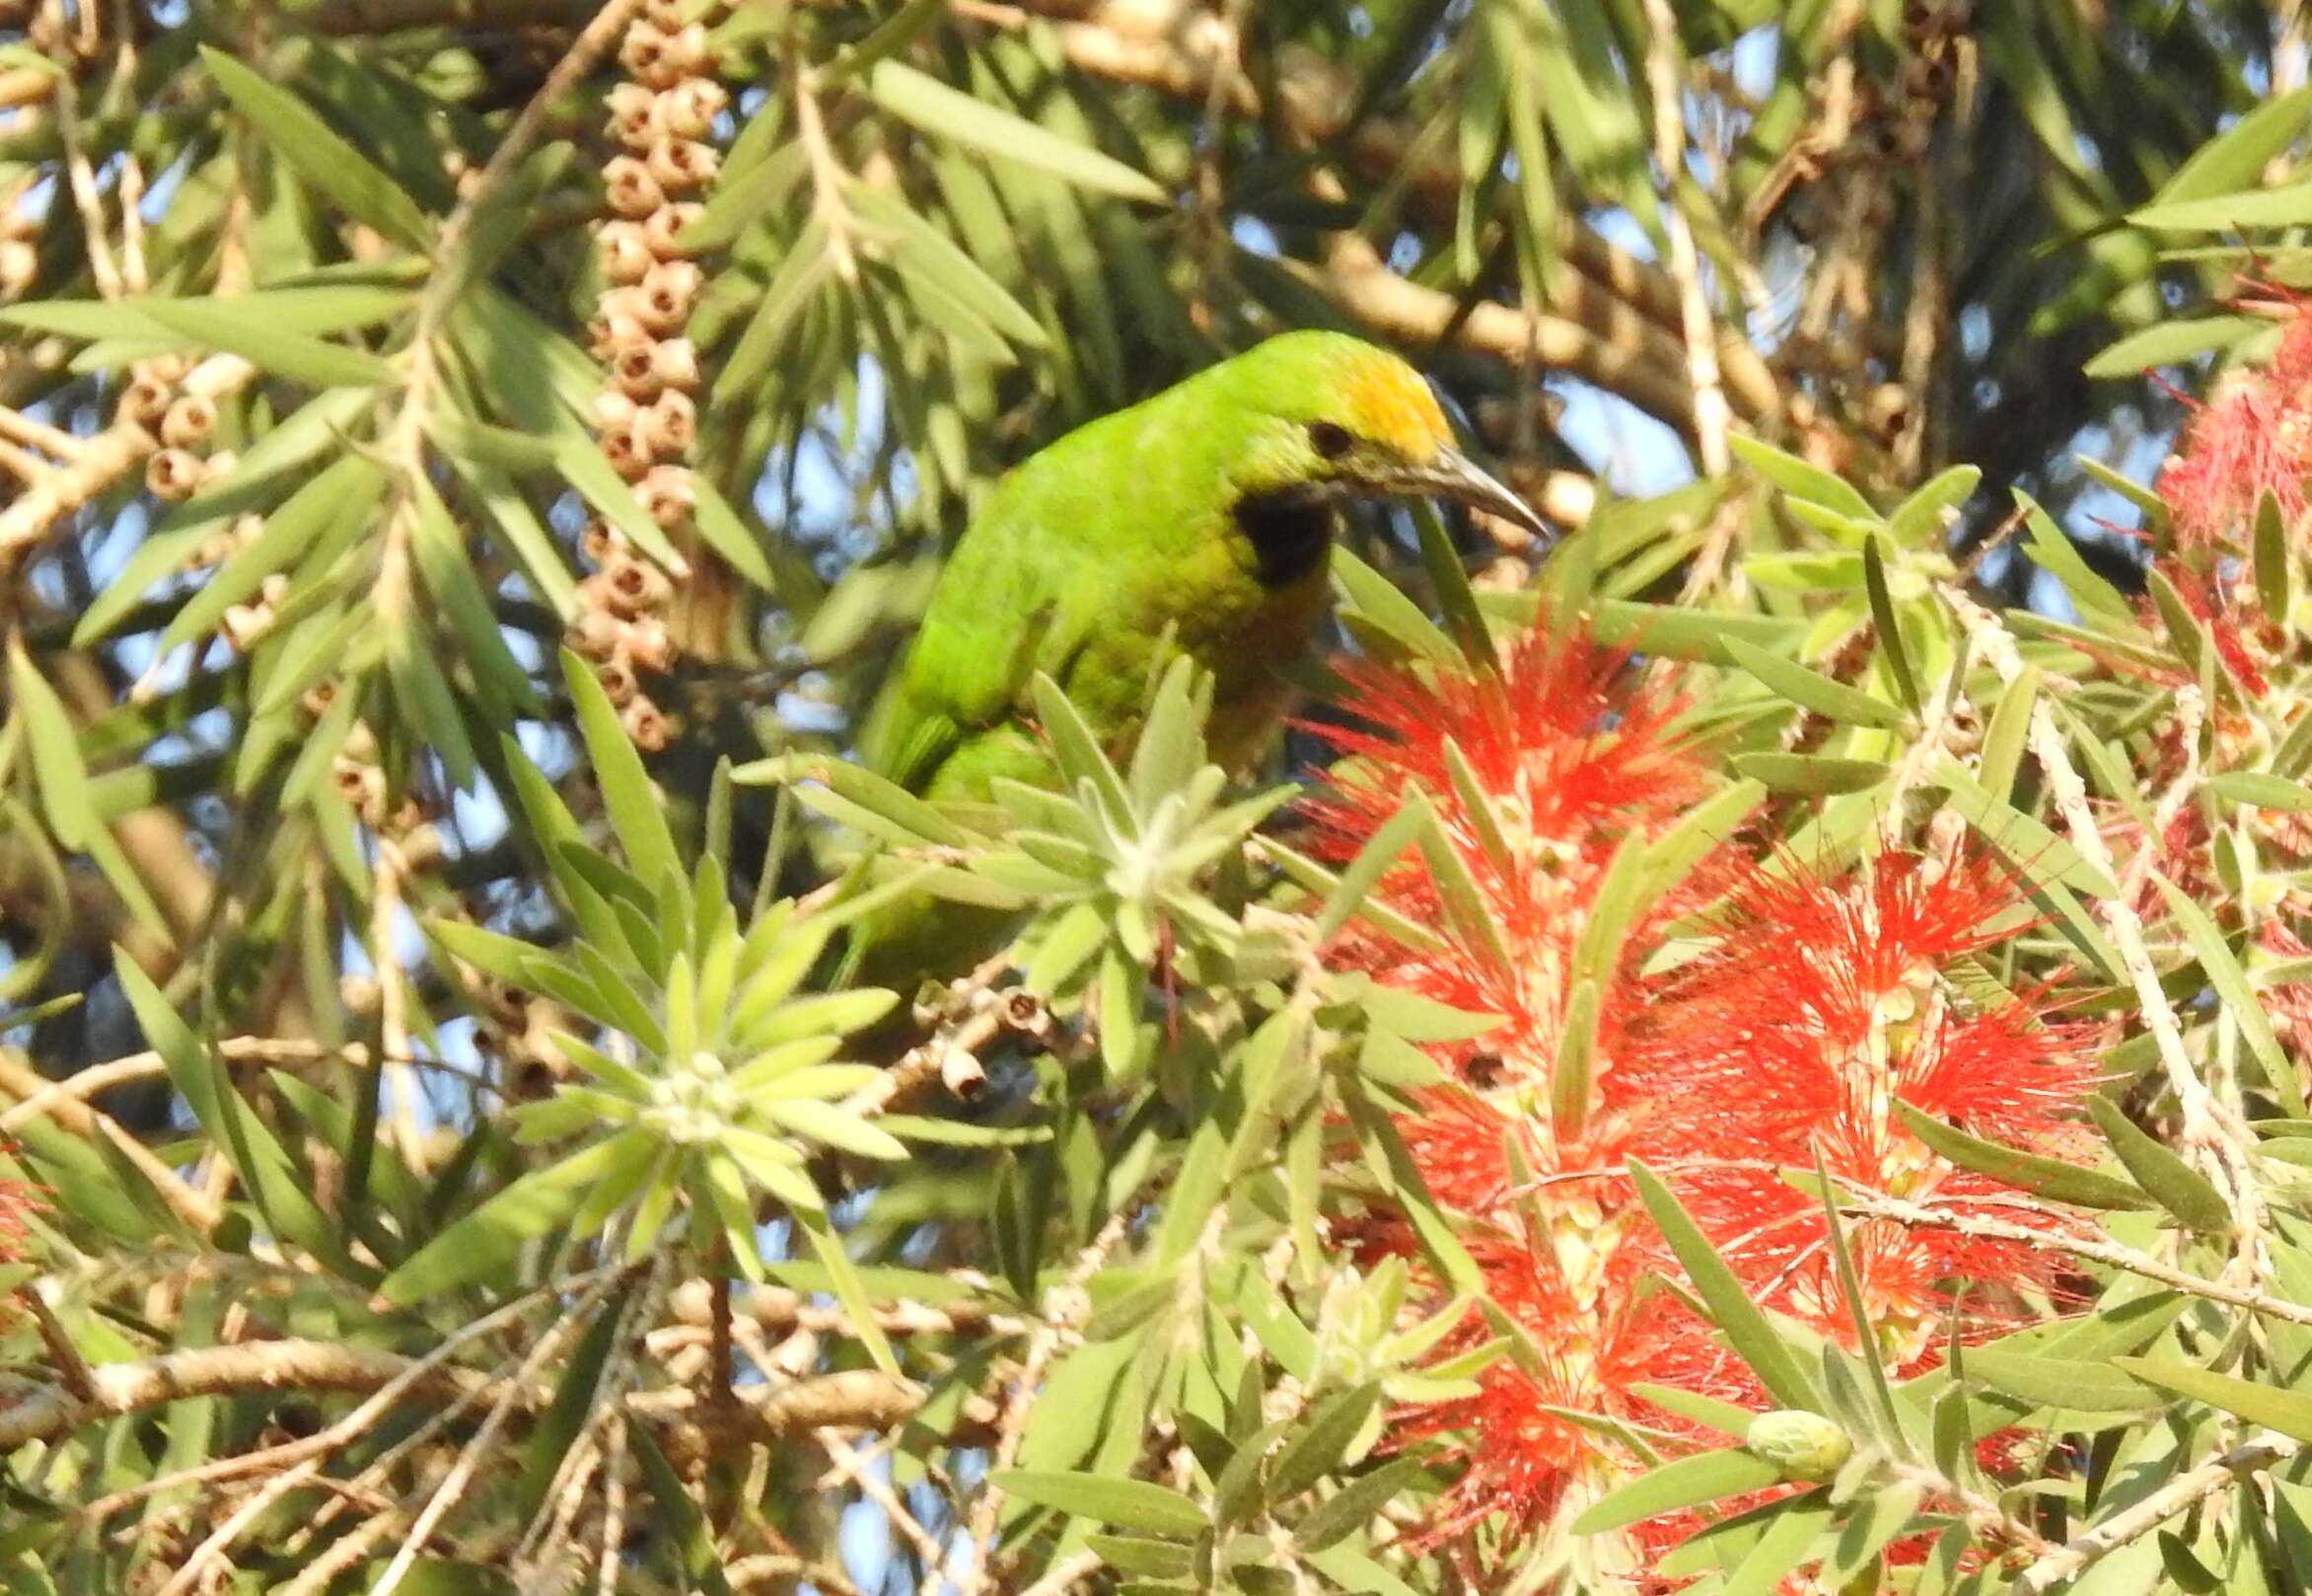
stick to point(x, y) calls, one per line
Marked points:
point(1454, 475)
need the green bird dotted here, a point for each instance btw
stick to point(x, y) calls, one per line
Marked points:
point(1204, 514)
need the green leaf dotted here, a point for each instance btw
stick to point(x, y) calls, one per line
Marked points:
point(2289, 206)
point(1917, 522)
point(2179, 1188)
point(227, 324)
point(316, 153)
point(1133, 1504)
point(2057, 553)
point(1371, 597)
point(486, 1240)
point(1885, 624)
point(2039, 851)
point(1799, 479)
point(1381, 851)
point(2073, 1384)
point(850, 1289)
point(2169, 342)
point(1811, 689)
point(637, 812)
point(1322, 1442)
point(2275, 568)
point(2230, 981)
point(1730, 1306)
point(57, 767)
point(1687, 1482)
point(2261, 790)
point(2049, 1178)
point(1355, 1504)
point(936, 107)
point(1455, 597)
point(1815, 775)
point(2273, 1405)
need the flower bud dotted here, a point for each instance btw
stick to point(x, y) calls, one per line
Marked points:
point(1804, 1446)
point(613, 408)
point(219, 464)
point(601, 543)
point(643, 53)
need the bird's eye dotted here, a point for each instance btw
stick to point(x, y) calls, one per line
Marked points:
point(1329, 441)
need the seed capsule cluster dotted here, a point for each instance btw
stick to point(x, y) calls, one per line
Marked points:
point(665, 118)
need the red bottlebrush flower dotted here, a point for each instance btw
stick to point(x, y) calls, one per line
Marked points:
point(1824, 1003)
point(2255, 436)
point(1572, 755)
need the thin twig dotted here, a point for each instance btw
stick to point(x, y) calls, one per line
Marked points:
point(1712, 415)
point(2135, 1522)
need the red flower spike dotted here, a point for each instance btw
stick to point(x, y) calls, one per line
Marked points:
point(2253, 437)
point(1572, 755)
point(1822, 1005)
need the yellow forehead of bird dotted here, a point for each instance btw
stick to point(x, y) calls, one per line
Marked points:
point(1392, 405)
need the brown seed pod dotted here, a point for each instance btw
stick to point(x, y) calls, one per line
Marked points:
point(669, 425)
point(685, 53)
point(188, 422)
point(624, 447)
point(630, 587)
point(643, 53)
point(663, 227)
point(675, 362)
point(629, 188)
point(600, 544)
point(626, 255)
point(671, 288)
point(668, 496)
point(646, 724)
point(145, 401)
point(243, 623)
point(618, 679)
point(689, 109)
point(20, 265)
point(646, 642)
point(634, 368)
point(172, 475)
point(595, 633)
point(629, 106)
point(656, 313)
point(680, 164)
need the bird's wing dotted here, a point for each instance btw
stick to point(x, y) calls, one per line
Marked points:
point(966, 673)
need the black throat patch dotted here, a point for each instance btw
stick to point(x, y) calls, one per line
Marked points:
point(1288, 530)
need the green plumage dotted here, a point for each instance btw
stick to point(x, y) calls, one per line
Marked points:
point(1202, 514)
